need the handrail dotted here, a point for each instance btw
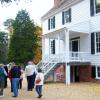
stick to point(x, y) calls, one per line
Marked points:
point(79, 56)
point(49, 62)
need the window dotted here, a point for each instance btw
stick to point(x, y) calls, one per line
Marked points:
point(66, 16)
point(97, 72)
point(51, 23)
point(97, 42)
point(53, 47)
point(97, 6)
point(94, 7)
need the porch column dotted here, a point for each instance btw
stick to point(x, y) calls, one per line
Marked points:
point(67, 74)
point(49, 46)
point(43, 46)
point(59, 45)
point(67, 56)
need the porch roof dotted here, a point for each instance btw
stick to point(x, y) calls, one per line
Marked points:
point(79, 63)
point(79, 28)
point(83, 27)
point(54, 34)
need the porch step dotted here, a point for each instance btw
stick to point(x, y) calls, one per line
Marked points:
point(51, 71)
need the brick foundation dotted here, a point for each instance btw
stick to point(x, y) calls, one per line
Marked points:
point(85, 73)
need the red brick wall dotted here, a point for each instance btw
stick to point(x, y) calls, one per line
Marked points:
point(85, 73)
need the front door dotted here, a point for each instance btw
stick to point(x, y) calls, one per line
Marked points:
point(75, 45)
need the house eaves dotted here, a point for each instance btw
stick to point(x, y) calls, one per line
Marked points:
point(56, 9)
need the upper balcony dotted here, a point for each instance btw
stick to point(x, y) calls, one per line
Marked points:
point(73, 57)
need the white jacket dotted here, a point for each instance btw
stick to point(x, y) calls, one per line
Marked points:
point(41, 76)
point(30, 69)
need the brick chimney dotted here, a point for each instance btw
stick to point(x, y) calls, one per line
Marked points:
point(58, 2)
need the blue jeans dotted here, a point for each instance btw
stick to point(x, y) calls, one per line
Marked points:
point(15, 82)
point(2, 82)
point(39, 90)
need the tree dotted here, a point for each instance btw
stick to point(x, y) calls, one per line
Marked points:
point(3, 46)
point(9, 1)
point(38, 50)
point(23, 40)
point(8, 23)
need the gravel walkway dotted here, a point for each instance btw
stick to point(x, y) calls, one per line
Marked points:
point(58, 91)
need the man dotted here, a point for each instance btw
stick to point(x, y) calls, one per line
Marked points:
point(30, 72)
point(2, 79)
point(6, 69)
point(15, 73)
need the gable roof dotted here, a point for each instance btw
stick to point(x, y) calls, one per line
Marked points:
point(62, 6)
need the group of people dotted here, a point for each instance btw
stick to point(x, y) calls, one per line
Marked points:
point(34, 78)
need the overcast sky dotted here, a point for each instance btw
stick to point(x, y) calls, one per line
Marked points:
point(36, 9)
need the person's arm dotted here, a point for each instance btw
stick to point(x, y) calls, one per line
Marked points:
point(26, 71)
point(5, 73)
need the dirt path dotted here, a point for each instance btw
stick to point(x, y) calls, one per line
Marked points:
point(58, 91)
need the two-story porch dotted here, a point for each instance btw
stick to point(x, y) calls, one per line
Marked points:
point(69, 47)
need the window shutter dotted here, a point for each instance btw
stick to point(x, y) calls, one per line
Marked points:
point(93, 71)
point(54, 22)
point(92, 43)
point(53, 46)
point(63, 18)
point(92, 7)
point(48, 24)
point(70, 15)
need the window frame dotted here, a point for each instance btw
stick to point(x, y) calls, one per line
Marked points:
point(97, 77)
point(66, 19)
point(51, 23)
point(66, 16)
point(95, 9)
point(52, 46)
point(96, 46)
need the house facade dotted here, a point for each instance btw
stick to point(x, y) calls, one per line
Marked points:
point(71, 37)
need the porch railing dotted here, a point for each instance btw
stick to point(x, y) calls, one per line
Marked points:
point(79, 56)
point(73, 56)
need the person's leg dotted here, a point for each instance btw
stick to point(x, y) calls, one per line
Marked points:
point(20, 83)
point(34, 75)
point(37, 89)
point(5, 86)
point(11, 85)
point(40, 90)
point(28, 83)
point(31, 82)
point(2, 83)
point(15, 86)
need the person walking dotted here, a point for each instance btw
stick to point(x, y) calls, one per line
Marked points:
point(10, 78)
point(2, 79)
point(15, 72)
point(6, 69)
point(21, 77)
point(30, 73)
point(39, 83)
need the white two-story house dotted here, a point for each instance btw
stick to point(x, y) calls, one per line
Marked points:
point(71, 36)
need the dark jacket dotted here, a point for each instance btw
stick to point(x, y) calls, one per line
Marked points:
point(2, 75)
point(15, 72)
